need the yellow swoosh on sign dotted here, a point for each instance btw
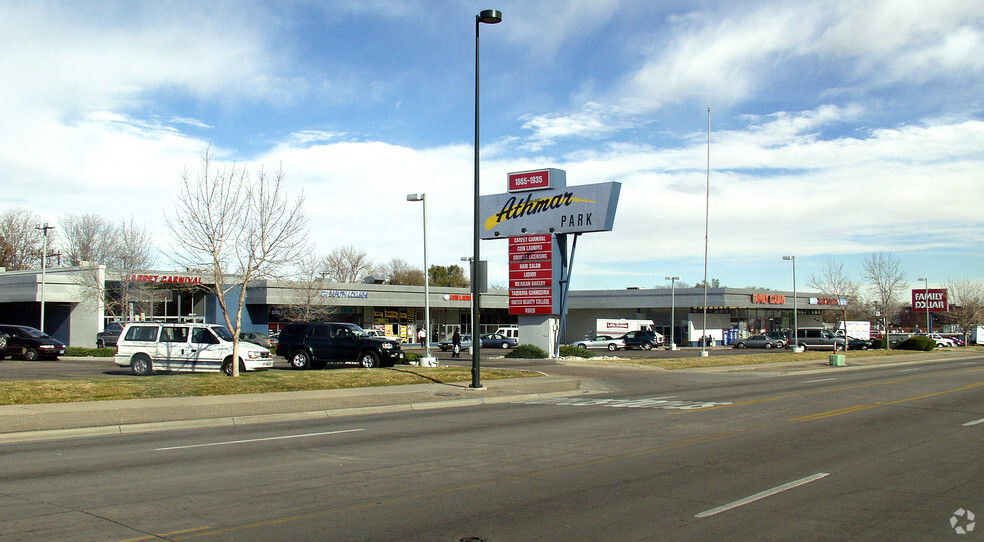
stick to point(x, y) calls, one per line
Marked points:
point(494, 220)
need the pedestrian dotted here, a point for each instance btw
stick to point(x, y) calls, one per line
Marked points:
point(456, 344)
point(421, 336)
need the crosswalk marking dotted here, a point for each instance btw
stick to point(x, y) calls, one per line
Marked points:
point(664, 403)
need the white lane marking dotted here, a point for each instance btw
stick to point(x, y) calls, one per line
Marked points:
point(817, 380)
point(907, 370)
point(762, 495)
point(975, 422)
point(226, 443)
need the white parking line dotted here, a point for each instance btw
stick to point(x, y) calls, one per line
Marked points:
point(975, 422)
point(256, 440)
point(762, 495)
point(817, 380)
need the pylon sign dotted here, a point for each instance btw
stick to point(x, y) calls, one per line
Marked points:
point(538, 206)
point(567, 209)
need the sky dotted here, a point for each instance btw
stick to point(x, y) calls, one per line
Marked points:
point(827, 130)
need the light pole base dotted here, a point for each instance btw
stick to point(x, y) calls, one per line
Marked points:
point(798, 349)
point(428, 361)
point(704, 353)
point(672, 347)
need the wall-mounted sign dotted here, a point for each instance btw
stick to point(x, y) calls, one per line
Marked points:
point(932, 300)
point(169, 279)
point(345, 293)
point(540, 179)
point(457, 297)
point(768, 299)
point(832, 301)
point(572, 209)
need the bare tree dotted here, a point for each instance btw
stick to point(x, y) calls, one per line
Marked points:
point(87, 238)
point(348, 264)
point(399, 271)
point(20, 240)
point(238, 227)
point(887, 280)
point(832, 281)
point(966, 300)
point(123, 249)
point(306, 299)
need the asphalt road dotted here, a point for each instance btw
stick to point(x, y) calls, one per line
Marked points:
point(881, 453)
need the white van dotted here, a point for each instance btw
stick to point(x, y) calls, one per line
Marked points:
point(149, 346)
point(509, 331)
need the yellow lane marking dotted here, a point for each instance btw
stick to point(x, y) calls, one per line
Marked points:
point(842, 388)
point(164, 535)
point(857, 408)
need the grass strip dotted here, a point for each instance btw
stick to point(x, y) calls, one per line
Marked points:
point(26, 392)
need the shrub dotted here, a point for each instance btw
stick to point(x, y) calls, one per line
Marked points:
point(878, 344)
point(84, 352)
point(575, 352)
point(528, 351)
point(919, 344)
point(408, 358)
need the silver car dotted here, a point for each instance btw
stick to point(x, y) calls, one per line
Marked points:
point(610, 342)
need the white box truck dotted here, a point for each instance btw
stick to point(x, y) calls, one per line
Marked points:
point(621, 326)
point(976, 335)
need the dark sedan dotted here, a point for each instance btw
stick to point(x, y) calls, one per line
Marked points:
point(757, 341)
point(30, 343)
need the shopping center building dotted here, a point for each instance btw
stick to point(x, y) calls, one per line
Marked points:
point(74, 307)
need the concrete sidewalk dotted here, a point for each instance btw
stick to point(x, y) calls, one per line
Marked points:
point(59, 420)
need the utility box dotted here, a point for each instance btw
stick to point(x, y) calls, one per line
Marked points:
point(837, 360)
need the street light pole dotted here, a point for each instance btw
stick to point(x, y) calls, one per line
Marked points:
point(672, 309)
point(795, 311)
point(488, 16)
point(707, 216)
point(428, 360)
point(929, 327)
point(44, 265)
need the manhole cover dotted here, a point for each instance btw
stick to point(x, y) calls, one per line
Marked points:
point(471, 538)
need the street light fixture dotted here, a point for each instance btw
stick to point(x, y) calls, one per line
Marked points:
point(795, 321)
point(672, 309)
point(929, 326)
point(428, 360)
point(488, 16)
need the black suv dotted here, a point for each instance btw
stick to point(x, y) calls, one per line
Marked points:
point(30, 343)
point(315, 344)
point(642, 338)
point(109, 337)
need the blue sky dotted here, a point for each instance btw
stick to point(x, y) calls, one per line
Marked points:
point(838, 129)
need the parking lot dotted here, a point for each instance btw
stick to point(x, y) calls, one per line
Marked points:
point(79, 367)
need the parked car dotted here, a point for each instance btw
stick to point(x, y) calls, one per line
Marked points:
point(261, 339)
point(941, 341)
point(779, 336)
point(491, 340)
point(314, 344)
point(645, 339)
point(146, 347)
point(610, 342)
point(30, 343)
point(109, 336)
point(857, 344)
point(498, 340)
point(757, 341)
point(818, 339)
